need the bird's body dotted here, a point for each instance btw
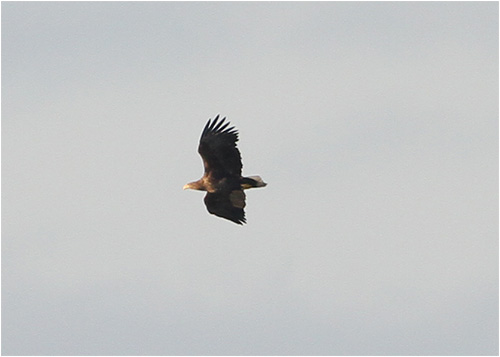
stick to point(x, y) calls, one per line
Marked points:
point(222, 178)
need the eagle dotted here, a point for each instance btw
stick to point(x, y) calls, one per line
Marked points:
point(222, 179)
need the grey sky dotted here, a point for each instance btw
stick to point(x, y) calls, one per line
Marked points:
point(375, 125)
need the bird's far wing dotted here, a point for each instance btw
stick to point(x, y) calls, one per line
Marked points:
point(218, 149)
point(228, 205)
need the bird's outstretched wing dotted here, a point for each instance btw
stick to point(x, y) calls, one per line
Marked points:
point(227, 204)
point(218, 149)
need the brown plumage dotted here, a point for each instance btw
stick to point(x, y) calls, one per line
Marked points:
point(222, 179)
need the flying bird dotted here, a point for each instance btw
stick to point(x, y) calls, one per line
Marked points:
point(222, 179)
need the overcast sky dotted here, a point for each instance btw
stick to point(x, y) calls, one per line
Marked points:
point(374, 124)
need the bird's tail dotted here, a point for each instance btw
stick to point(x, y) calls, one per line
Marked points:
point(252, 181)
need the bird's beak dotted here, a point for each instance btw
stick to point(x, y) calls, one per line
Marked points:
point(185, 187)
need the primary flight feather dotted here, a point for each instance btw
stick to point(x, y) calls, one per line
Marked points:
point(222, 178)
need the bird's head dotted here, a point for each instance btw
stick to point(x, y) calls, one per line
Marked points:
point(195, 185)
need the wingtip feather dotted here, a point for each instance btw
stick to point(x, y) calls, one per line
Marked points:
point(218, 125)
